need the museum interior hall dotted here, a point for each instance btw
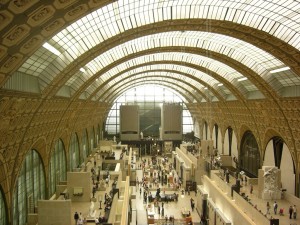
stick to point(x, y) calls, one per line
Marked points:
point(160, 112)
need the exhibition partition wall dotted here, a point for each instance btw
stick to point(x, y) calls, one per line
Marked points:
point(171, 124)
point(129, 122)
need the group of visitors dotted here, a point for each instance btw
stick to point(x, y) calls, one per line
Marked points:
point(293, 212)
point(79, 220)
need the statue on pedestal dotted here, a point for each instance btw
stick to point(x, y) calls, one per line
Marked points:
point(271, 183)
point(92, 210)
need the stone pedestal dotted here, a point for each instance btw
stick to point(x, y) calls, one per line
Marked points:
point(269, 178)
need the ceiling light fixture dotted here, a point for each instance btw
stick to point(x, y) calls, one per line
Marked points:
point(280, 69)
point(82, 70)
point(241, 79)
point(51, 49)
point(220, 85)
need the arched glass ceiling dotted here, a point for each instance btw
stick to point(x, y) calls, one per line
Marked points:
point(160, 77)
point(172, 73)
point(278, 18)
point(176, 58)
point(256, 59)
point(115, 18)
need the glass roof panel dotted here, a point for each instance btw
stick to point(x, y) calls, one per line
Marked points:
point(152, 75)
point(153, 57)
point(279, 18)
point(181, 89)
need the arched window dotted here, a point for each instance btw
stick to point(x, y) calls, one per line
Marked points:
point(30, 187)
point(92, 139)
point(58, 170)
point(250, 156)
point(85, 145)
point(149, 98)
point(74, 152)
point(98, 134)
point(3, 218)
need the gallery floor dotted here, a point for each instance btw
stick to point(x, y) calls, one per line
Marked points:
point(175, 208)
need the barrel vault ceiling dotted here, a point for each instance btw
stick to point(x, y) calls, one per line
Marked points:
point(94, 50)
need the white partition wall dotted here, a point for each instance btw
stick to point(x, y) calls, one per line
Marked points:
point(221, 219)
point(211, 210)
point(54, 212)
point(201, 201)
point(129, 122)
point(171, 122)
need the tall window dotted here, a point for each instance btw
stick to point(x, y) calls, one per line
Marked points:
point(250, 155)
point(74, 152)
point(58, 170)
point(98, 134)
point(2, 209)
point(92, 139)
point(149, 98)
point(30, 187)
point(85, 145)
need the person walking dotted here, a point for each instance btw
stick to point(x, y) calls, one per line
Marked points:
point(268, 208)
point(294, 212)
point(291, 211)
point(275, 206)
point(76, 217)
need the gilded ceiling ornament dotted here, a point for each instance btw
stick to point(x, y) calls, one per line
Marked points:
point(43, 14)
point(15, 35)
point(11, 63)
point(19, 6)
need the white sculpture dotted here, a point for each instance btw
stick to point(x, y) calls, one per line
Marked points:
point(92, 210)
point(271, 184)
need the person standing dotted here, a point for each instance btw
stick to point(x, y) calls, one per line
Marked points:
point(76, 217)
point(251, 188)
point(294, 212)
point(227, 176)
point(291, 211)
point(193, 206)
point(275, 207)
point(268, 208)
